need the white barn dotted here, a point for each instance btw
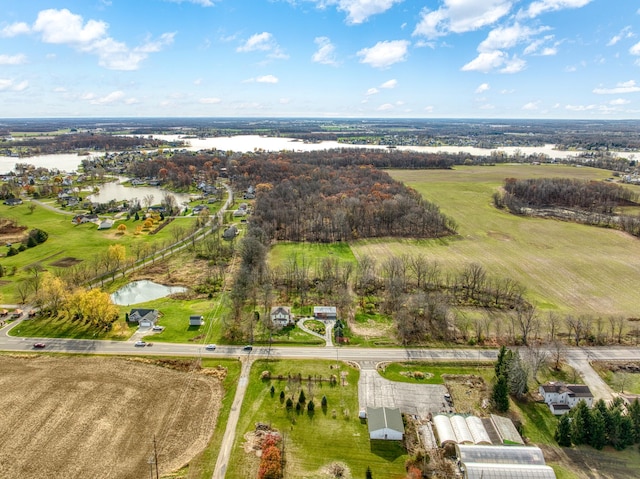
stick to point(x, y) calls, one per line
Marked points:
point(385, 423)
point(562, 397)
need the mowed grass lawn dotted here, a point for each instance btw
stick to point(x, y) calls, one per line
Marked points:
point(82, 242)
point(565, 267)
point(312, 253)
point(312, 442)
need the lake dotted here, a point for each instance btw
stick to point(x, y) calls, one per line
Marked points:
point(118, 192)
point(142, 291)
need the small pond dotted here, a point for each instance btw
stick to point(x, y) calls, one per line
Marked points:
point(142, 291)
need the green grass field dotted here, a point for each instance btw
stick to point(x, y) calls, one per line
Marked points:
point(312, 442)
point(565, 267)
point(82, 242)
point(313, 253)
point(619, 381)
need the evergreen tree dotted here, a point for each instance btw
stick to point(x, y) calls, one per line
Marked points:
point(500, 394)
point(368, 474)
point(580, 424)
point(634, 414)
point(302, 398)
point(598, 436)
point(499, 367)
point(614, 427)
point(626, 432)
point(517, 375)
point(563, 431)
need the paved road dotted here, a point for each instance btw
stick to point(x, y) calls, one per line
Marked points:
point(579, 358)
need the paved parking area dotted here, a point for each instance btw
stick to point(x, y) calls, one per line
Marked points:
point(418, 399)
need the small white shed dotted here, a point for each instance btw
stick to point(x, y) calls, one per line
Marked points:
point(196, 320)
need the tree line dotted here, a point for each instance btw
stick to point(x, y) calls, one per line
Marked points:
point(616, 425)
point(589, 202)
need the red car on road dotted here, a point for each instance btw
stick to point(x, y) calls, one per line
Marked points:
point(38, 345)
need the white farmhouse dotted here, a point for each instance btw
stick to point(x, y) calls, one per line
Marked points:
point(562, 397)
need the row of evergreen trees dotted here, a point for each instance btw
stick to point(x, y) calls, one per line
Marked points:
point(600, 426)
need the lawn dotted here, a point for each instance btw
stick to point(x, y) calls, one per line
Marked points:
point(313, 253)
point(565, 267)
point(432, 372)
point(620, 381)
point(311, 441)
point(79, 243)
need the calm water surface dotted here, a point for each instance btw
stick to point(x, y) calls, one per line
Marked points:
point(142, 291)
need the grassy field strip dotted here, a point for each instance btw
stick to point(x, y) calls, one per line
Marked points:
point(565, 267)
point(312, 441)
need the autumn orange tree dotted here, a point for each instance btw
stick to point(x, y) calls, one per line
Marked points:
point(271, 459)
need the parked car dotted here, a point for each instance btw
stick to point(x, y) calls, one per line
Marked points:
point(158, 328)
point(140, 343)
point(39, 345)
point(248, 347)
point(210, 347)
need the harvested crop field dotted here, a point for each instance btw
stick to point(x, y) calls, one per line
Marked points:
point(77, 417)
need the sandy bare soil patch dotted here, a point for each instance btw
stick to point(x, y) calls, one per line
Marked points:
point(96, 417)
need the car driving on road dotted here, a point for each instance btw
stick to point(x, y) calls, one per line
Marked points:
point(140, 343)
point(210, 347)
point(39, 345)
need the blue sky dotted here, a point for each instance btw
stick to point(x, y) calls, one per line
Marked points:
point(320, 58)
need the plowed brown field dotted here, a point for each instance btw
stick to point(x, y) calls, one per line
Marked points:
point(74, 417)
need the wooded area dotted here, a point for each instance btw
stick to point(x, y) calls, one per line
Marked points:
point(589, 202)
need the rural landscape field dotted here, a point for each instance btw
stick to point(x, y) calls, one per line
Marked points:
point(390, 246)
point(98, 417)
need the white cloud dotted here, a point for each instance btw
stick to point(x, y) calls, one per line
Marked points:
point(258, 41)
point(635, 50)
point(486, 62)
point(7, 84)
point(385, 107)
point(621, 88)
point(482, 88)
point(580, 107)
point(18, 59)
point(507, 37)
point(197, 81)
point(263, 42)
point(209, 101)
point(112, 97)
point(267, 79)
point(131, 101)
point(429, 109)
point(619, 101)
point(358, 11)
point(325, 53)
point(66, 28)
point(390, 84)
point(384, 54)
point(532, 105)
point(514, 65)
point(549, 51)
point(624, 33)
point(15, 29)
point(372, 91)
point(62, 26)
point(459, 16)
point(542, 6)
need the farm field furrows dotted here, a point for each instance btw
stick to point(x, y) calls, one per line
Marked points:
point(79, 417)
point(565, 267)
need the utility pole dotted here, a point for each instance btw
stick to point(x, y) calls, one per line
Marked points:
point(155, 456)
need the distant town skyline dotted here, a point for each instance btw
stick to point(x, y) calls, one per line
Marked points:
point(556, 59)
